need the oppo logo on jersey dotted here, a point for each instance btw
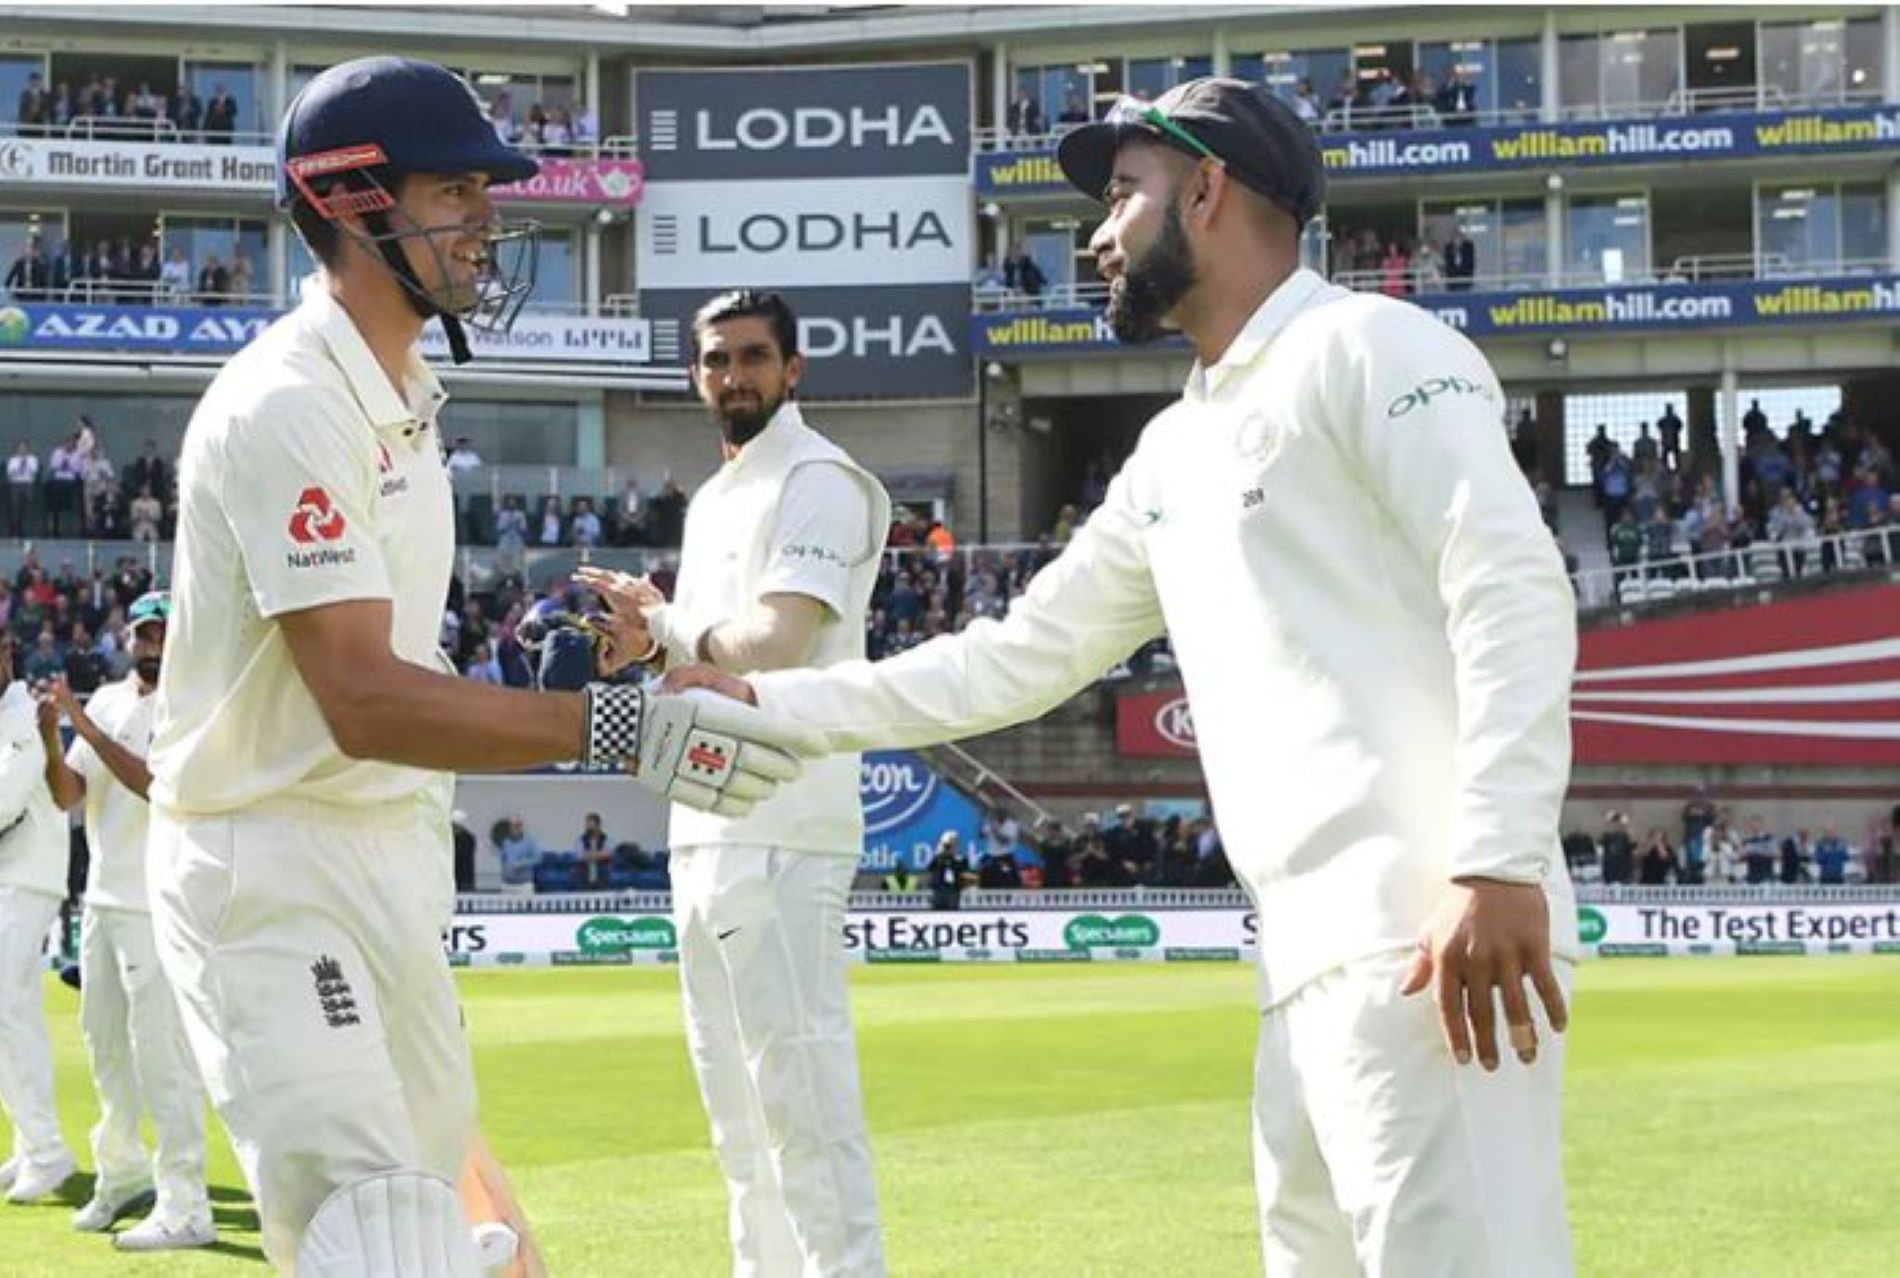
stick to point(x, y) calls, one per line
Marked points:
point(822, 129)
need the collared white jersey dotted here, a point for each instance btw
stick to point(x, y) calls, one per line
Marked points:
point(305, 480)
point(1372, 623)
point(791, 514)
point(116, 818)
point(34, 841)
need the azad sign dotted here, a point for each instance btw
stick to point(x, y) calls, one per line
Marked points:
point(846, 188)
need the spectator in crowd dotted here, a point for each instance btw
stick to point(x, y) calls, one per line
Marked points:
point(1457, 99)
point(1073, 110)
point(1657, 865)
point(1580, 854)
point(23, 473)
point(595, 852)
point(240, 284)
point(35, 108)
point(511, 533)
point(1428, 268)
point(584, 529)
point(147, 469)
point(519, 853)
point(902, 880)
point(1395, 271)
point(1831, 857)
point(946, 872)
point(45, 660)
point(101, 480)
point(30, 278)
point(550, 534)
point(145, 104)
point(1792, 529)
point(483, 667)
point(501, 115)
point(174, 276)
point(988, 281)
point(1131, 842)
point(557, 135)
point(65, 481)
point(1025, 116)
point(463, 841)
point(1885, 861)
point(1619, 849)
point(1021, 274)
point(221, 112)
point(1000, 871)
point(1698, 819)
point(1306, 103)
point(214, 282)
point(463, 457)
point(190, 114)
point(1669, 427)
point(1796, 857)
point(1461, 261)
point(1758, 851)
point(68, 269)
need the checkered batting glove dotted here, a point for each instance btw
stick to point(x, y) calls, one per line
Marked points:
point(696, 747)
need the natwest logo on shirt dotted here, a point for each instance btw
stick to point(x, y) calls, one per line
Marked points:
point(315, 519)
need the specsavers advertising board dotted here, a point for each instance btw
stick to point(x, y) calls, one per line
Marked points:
point(1086, 935)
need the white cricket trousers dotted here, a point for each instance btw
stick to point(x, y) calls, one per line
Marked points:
point(305, 946)
point(768, 1022)
point(26, 1054)
point(140, 1061)
point(1375, 1154)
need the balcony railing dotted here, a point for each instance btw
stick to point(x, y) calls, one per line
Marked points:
point(110, 128)
point(1424, 115)
point(1762, 563)
point(1683, 270)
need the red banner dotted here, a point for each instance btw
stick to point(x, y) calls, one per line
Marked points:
point(1155, 725)
point(1812, 681)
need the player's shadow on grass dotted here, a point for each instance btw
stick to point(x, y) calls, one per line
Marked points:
point(232, 1210)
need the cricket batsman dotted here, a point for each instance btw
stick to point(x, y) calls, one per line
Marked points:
point(780, 556)
point(307, 725)
point(141, 1063)
point(1376, 637)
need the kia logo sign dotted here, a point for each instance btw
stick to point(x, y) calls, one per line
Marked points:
point(894, 789)
point(1175, 723)
point(1155, 725)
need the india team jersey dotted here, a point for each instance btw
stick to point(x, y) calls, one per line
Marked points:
point(305, 480)
point(116, 818)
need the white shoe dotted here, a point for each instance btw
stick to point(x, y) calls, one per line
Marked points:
point(153, 1234)
point(34, 1183)
point(496, 1245)
point(108, 1209)
point(9, 1172)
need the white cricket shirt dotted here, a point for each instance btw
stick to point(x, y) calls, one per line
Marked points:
point(305, 480)
point(1372, 623)
point(791, 514)
point(116, 818)
point(34, 843)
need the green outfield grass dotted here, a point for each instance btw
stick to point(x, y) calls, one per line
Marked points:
point(1726, 1118)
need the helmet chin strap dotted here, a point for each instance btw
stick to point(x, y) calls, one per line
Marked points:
point(377, 223)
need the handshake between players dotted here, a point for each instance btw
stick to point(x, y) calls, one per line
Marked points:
point(696, 747)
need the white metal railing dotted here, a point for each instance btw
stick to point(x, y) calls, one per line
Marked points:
point(1426, 115)
point(1664, 578)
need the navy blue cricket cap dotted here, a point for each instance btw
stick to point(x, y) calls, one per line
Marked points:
point(1256, 136)
point(399, 114)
